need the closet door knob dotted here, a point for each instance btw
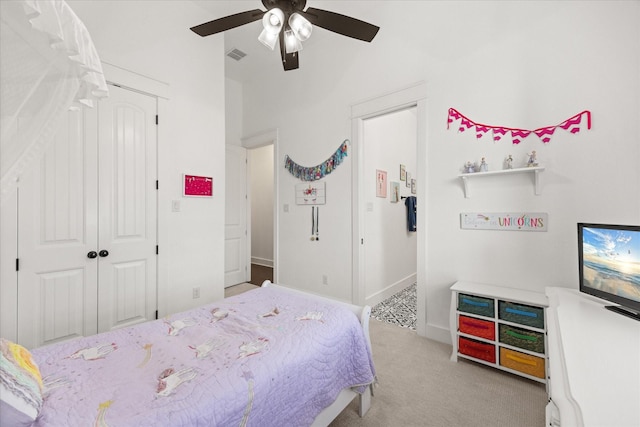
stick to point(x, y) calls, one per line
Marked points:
point(103, 253)
point(92, 254)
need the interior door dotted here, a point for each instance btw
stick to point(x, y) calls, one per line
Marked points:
point(57, 205)
point(236, 261)
point(127, 209)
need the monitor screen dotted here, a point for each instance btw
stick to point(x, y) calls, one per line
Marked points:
point(609, 263)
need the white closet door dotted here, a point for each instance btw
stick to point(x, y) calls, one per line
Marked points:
point(127, 209)
point(236, 251)
point(57, 200)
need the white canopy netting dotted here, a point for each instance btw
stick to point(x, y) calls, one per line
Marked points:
point(48, 64)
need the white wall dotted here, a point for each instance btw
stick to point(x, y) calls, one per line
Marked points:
point(233, 112)
point(516, 64)
point(152, 38)
point(261, 183)
point(390, 249)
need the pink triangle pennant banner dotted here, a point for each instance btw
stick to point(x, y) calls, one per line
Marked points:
point(453, 115)
point(573, 125)
point(481, 130)
point(498, 133)
point(545, 134)
point(465, 124)
point(517, 135)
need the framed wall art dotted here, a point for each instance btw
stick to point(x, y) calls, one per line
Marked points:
point(381, 183)
point(403, 173)
point(197, 186)
point(395, 192)
point(312, 193)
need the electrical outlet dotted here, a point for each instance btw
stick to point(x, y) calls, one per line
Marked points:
point(196, 293)
point(325, 279)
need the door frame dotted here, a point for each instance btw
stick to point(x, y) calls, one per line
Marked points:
point(411, 96)
point(261, 139)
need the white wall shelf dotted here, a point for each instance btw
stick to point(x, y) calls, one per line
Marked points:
point(534, 170)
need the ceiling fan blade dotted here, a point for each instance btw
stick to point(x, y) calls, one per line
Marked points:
point(341, 24)
point(227, 23)
point(289, 60)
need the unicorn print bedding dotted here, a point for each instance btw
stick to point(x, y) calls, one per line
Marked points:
point(262, 358)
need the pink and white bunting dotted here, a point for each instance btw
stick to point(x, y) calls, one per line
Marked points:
point(573, 124)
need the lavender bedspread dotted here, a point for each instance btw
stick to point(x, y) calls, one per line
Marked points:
point(263, 358)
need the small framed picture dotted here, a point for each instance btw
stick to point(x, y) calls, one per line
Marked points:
point(197, 186)
point(403, 173)
point(413, 186)
point(395, 192)
point(381, 183)
point(408, 179)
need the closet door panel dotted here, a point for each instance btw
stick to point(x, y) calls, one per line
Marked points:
point(57, 283)
point(127, 206)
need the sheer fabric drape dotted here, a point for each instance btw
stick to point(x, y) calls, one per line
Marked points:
point(48, 64)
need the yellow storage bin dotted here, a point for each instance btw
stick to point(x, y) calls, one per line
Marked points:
point(530, 365)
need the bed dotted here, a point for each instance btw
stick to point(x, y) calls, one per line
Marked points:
point(272, 356)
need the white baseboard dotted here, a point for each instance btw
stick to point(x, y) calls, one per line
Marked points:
point(438, 333)
point(261, 261)
point(390, 290)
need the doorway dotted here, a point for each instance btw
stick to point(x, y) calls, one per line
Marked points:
point(390, 250)
point(261, 195)
point(412, 96)
point(248, 261)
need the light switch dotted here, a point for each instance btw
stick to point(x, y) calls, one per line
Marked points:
point(286, 208)
point(175, 206)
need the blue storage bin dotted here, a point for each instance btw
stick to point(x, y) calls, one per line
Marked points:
point(522, 314)
point(476, 305)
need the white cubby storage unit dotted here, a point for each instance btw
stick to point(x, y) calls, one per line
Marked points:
point(501, 327)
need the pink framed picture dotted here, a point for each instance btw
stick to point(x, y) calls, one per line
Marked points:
point(197, 186)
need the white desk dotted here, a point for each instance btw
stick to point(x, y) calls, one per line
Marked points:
point(594, 363)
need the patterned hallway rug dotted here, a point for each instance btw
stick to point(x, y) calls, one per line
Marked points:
point(399, 309)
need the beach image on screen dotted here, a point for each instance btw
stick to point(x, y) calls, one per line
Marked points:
point(611, 259)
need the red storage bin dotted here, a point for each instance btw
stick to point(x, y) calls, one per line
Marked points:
point(477, 349)
point(479, 328)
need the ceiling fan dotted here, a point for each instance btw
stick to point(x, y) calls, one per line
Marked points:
point(286, 21)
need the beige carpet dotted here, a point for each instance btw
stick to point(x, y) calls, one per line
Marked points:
point(420, 386)
point(238, 289)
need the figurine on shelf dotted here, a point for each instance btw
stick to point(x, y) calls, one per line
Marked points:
point(508, 163)
point(533, 161)
point(483, 166)
point(469, 168)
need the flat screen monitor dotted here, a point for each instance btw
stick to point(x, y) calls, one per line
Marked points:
point(609, 265)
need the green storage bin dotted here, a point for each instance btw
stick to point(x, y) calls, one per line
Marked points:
point(522, 314)
point(476, 305)
point(522, 338)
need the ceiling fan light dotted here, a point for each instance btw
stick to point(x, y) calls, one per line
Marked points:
point(291, 42)
point(273, 20)
point(268, 39)
point(301, 26)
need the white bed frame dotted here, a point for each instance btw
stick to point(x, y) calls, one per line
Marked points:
point(345, 397)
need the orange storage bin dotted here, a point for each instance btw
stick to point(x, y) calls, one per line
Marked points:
point(526, 363)
point(477, 349)
point(479, 328)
